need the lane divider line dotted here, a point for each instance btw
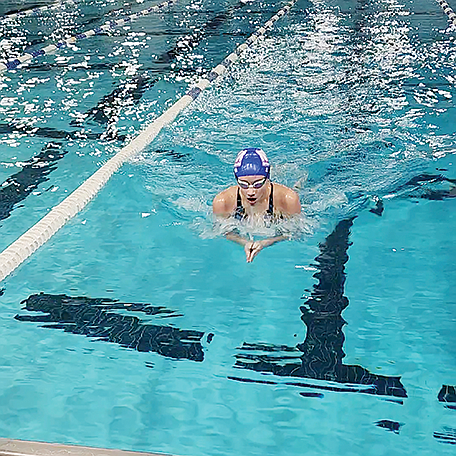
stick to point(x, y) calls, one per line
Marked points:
point(109, 25)
point(45, 228)
point(448, 11)
point(34, 11)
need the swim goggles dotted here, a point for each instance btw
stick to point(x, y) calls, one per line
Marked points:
point(257, 184)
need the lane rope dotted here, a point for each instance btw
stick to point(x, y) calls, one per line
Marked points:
point(109, 25)
point(45, 228)
point(34, 11)
point(448, 11)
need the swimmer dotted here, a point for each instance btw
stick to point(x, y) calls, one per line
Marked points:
point(255, 198)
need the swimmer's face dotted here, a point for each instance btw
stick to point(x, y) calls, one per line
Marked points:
point(254, 188)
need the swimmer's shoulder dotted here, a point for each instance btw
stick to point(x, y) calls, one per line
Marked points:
point(286, 200)
point(225, 202)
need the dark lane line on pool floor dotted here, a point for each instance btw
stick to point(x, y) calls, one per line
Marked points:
point(447, 395)
point(321, 354)
point(97, 318)
point(392, 426)
point(419, 187)
point(49, 132)
point(448, 435)
point(33, 173)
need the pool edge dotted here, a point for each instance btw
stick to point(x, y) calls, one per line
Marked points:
point(10, 447)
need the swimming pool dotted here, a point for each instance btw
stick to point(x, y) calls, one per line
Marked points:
point(201, 353)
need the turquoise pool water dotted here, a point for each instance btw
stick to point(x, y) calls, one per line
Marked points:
point(151, 332)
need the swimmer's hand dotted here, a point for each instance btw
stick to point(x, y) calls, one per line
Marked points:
point(252, 249)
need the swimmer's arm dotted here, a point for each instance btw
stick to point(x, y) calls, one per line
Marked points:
point(236, 237)
point(253, 248)
point(233, 234)
point(221, 214)
point(273, 240)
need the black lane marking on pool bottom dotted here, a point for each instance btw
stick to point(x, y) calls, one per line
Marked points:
point(420, 187)
point(379, 207)
point(175, 156)
point(34, 172)
point(392, 426)
point(421, 183)
point(108, 108)
point(320, 355)
point(48, 132)
point(448, 435)
point(99, 319)
point(45, 67)
point(448, 395)
point(210, 26)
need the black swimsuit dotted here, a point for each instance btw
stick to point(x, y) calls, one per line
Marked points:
point(239, 213)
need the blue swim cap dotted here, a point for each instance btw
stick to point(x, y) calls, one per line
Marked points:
point(251, 162)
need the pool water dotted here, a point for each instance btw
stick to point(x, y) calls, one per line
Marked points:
point(137, 327)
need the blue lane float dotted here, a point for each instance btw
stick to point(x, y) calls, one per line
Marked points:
point(448, 11)
point(34, 11)
point(109, 25)
point(16, 253)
